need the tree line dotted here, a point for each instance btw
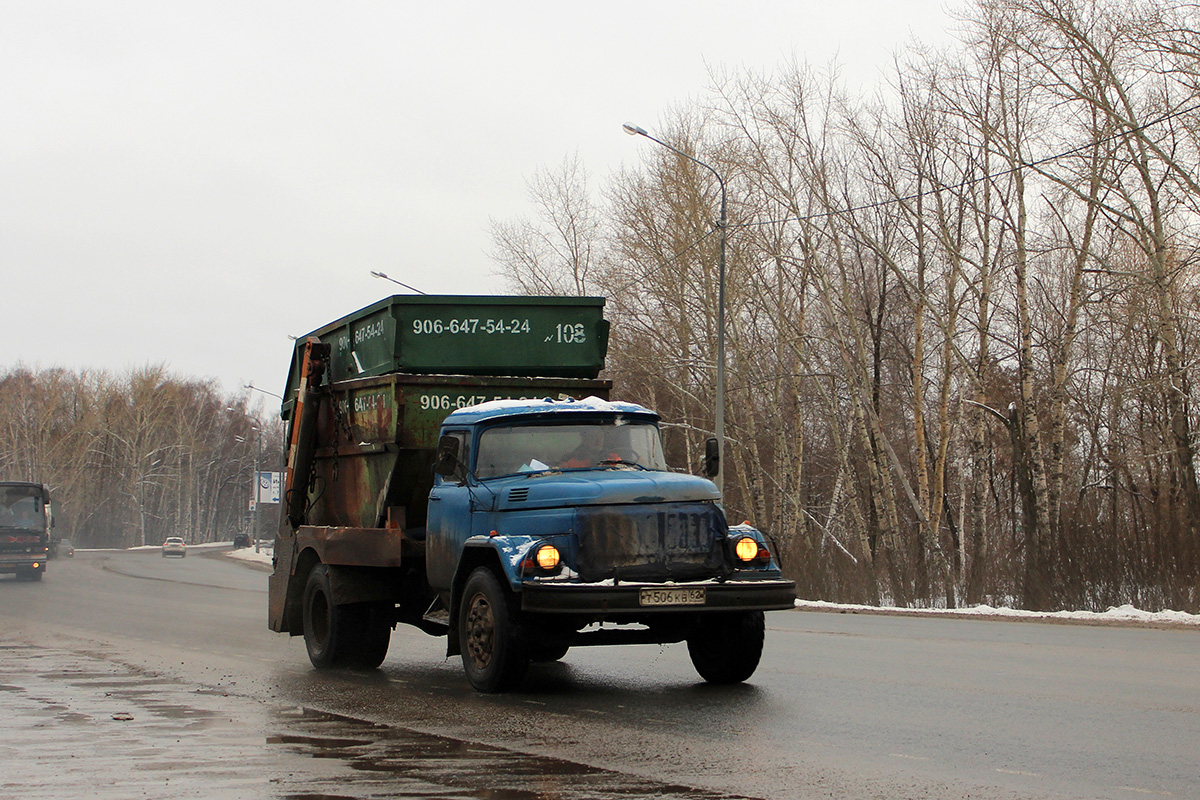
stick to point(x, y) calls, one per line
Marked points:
point(962, 313)
point(136, 457)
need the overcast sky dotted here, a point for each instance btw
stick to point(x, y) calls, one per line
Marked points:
point(188, 183)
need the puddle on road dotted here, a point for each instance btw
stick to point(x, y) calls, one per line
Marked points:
point(85, 725)
point(396, 762)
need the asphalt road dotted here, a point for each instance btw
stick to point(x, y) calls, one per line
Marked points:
point(158, 678)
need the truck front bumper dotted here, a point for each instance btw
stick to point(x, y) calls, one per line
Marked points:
point(629, 599)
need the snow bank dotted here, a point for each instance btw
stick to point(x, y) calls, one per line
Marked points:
point(1126, 613)
point(247, 554)
point(1119, 614)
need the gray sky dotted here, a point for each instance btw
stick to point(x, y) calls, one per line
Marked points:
point(188, 183)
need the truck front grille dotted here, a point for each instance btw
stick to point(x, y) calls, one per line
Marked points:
point(676, 541)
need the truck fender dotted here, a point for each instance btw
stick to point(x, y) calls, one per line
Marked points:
point(347, 584)
point(475, 554)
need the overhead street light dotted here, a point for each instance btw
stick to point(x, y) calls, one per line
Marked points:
point(719, 426)
point(254, 388)
point(393, 280)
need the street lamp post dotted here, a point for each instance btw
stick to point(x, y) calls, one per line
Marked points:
point(719, 425)
point(257, 484)
point(254, 484)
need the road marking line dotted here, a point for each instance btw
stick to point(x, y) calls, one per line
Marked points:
point(1019, 772)
point(905, 755)
point(1145, 791)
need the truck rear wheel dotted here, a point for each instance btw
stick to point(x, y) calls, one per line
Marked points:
point(354, 635)
point(726, 648)
point(493, 655)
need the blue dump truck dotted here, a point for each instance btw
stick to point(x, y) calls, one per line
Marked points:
point(453, 463)
point(25, 524)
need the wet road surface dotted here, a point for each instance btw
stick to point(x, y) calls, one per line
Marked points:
point(149, 677)
point(81, 724)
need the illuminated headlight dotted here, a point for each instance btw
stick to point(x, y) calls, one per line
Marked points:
point(545, 560)
point(749, 551)
point(548, 557)
point(746, 549)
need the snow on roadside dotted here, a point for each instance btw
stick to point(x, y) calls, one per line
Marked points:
point(1121, 614)
point(1125, 614)
point(247, 554)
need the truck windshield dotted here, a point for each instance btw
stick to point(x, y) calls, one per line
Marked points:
point(534, 448)
point(21, 508)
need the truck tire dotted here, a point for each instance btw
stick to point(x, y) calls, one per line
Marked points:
point(726, 648)
point(493, 655)
point(373, 634)
point(354, 635)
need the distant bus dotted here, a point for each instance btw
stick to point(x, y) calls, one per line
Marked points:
point(25, 524)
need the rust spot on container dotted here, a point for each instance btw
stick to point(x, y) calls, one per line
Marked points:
point(365, 547)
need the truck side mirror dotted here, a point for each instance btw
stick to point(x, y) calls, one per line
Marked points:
point(447, 457)
point(712, 458)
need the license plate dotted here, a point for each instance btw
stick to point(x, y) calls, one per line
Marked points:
point(672, 597)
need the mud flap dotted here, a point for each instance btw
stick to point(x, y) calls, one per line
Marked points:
point(361, 584)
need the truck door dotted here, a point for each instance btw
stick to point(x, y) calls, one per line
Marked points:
point(448, 524)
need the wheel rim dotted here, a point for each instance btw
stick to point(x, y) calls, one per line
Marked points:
point(481, 631)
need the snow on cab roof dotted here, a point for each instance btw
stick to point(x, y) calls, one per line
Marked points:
point(504, 408)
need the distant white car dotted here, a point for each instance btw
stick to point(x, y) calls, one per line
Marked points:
point(174, 546)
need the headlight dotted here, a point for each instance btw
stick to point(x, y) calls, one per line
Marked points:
point(548, 556)
point(545, 560)
point(746, 549)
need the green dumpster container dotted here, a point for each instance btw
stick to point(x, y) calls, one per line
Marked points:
point(553, 337)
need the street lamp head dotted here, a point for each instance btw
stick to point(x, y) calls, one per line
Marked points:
point(254, 388)
point(634, 130)
point(386, 277)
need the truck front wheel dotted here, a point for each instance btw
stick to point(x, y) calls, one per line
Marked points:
point(726, 648)
point(493, 654)
point(354, 635)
